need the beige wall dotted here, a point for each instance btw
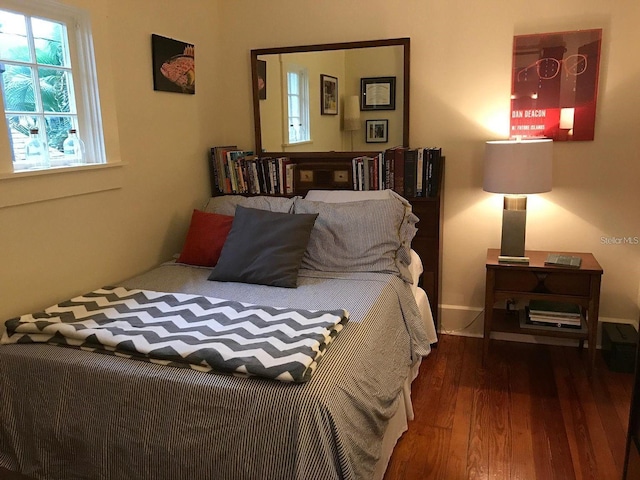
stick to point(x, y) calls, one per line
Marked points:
point(371, 63)
point(460, 82)
point(460, 86)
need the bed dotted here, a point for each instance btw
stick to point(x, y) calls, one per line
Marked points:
point(70, 413)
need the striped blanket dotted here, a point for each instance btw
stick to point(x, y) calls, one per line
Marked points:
point(203, 333)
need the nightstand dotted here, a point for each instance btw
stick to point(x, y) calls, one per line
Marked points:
point(513, 281)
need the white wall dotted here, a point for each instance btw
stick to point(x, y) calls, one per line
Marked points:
point(460, 87)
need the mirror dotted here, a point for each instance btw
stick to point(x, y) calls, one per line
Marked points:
point(338, 97)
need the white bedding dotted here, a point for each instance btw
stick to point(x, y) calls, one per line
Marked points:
point(425, 310)
point(416, 269)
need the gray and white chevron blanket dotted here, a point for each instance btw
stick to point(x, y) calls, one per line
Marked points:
point(203, 333)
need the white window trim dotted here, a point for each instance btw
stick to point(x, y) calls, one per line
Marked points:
point(103, 173)
point(303, 142)
point(43, 185)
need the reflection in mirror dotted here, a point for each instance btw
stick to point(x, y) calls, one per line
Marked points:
point(309, 98)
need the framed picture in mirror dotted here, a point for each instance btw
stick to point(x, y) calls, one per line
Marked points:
point(329, 95)
point(262, 79)
point(378, 93)
point(377, 131)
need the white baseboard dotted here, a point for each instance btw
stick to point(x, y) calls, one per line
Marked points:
point(469, 322)
point(461, 320)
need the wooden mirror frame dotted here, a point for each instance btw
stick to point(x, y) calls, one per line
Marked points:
point(404, 42)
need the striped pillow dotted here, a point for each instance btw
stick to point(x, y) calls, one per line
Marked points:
point(363, 236)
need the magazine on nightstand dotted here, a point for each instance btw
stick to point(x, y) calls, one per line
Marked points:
point(562, 260)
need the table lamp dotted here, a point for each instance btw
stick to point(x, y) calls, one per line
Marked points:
point(352, 121)
point(516, 168)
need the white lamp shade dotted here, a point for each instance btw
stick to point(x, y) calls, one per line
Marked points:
point(352, 113)
point(518, 167)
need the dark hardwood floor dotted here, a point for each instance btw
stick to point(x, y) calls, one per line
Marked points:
point(7, 475)
point(530, 413)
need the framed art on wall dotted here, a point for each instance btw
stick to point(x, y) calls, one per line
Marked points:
point(378, 93)
point(262, 79)
point(174, 65)
point(329, 95)
point(555, 85)
point(377, 131)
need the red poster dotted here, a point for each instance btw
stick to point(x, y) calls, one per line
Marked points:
point(554, 85)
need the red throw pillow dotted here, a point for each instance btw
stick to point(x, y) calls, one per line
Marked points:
point(206, 236)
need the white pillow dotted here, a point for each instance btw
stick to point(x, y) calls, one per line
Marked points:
point(342, 196)
point(226, 204)
point(415, 269)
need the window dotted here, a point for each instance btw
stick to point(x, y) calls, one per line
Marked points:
point(48, 83)
point(298, 105)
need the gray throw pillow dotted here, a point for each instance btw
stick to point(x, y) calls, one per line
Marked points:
point(264, 248)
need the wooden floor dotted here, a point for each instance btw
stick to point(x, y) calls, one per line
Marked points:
point(531, 413)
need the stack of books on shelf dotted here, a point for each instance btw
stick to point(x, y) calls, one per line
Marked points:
point(370, 173)
point(552, 315)
point(428, 171)
point(239, 171)
point(411, 172)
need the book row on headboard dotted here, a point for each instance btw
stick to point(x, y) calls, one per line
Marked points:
point(240, 171)
point(412, 172)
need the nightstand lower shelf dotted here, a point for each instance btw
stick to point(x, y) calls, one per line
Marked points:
point(509, 322)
